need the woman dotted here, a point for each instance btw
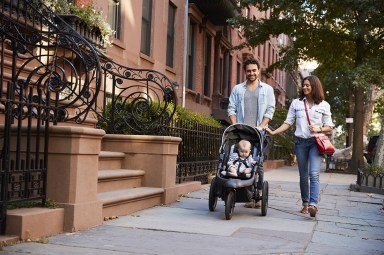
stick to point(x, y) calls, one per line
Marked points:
point(311, 101)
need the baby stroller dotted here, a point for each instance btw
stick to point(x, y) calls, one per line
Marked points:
point(243, 188)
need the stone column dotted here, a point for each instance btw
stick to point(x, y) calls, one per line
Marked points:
point(72, 175)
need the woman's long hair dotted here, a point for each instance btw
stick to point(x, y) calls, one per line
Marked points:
point(317, 89)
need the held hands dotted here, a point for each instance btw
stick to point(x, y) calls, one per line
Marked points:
point(269, 131)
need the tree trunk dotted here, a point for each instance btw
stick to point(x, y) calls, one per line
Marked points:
point(358, 121)
point(372, 94)
point(349, 126)
point(379, 154)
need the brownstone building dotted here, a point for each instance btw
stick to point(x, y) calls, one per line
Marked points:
point(56, 78)
point(190, 42)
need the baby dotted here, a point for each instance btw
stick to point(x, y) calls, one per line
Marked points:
point(242, 161)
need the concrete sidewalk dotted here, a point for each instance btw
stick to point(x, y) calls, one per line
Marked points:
point(348, 222)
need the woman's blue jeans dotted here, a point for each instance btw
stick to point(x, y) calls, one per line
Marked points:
point(309, 161)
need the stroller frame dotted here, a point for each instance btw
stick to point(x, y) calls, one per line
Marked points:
point(239, 189)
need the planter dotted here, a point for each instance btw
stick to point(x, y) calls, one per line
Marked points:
point(76, 23)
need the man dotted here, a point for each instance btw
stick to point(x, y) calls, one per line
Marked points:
point(253, 103)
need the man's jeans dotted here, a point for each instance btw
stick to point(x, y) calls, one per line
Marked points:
point(309, 161)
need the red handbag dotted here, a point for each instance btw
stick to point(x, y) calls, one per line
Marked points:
point(324, 145)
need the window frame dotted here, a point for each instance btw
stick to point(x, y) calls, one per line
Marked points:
point(170, 53)
point(192, 44)
point(115, 20)
point(145, 46)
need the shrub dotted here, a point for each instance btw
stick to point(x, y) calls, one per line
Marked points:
point(120, 120)
point(186, 115)
point(49, 203)
point(373, 169)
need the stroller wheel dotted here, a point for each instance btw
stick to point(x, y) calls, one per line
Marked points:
point(212, 202)
point(264, 199)
point(229, 204)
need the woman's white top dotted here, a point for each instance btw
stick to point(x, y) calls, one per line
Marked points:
point(319, 114)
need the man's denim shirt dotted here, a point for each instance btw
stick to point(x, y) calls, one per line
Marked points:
point(266, 104)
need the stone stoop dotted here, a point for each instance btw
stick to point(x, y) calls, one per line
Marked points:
point(111, 160)
point(126, 201)
point(34, 223)
point(120, 190)
point(8, 240)
point(111, 180)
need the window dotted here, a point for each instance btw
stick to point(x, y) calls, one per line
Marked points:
point(170, 34)
point(264, 52)
point(269, 54)
point(229, 73)
point(221, 66)
point(239, 72)
point(248, 13)
point(191, 54)
point(207, 64)
point(146, 24)
point(114, 18)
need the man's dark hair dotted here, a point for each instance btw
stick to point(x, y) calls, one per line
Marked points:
point(251, 61)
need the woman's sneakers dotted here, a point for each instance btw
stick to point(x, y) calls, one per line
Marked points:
point(312, 210)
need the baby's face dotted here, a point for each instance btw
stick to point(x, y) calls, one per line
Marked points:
point(244, 152)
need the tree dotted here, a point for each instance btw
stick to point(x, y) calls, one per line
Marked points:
point(342, 35)
point(379, 154)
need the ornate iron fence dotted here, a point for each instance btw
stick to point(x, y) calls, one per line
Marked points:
point(50, 73)
point(33, 78)
point(370, 182)
point(139, 101)
point(198, 152)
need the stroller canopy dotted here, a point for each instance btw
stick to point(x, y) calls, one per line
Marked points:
point(236, 132)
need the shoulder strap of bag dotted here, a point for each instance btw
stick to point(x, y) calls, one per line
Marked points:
point(306, 111)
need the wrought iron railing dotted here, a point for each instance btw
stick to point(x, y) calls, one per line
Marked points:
point(35, 90)
point(143, 100)
point(371, 180)
point(50, 73)
point(198, 152)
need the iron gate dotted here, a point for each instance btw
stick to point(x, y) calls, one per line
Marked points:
point(40, 84)
point(51, 73)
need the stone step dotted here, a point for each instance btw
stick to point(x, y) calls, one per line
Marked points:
point(126, 201)
point(32, 223)
point(9, 239)
point(110, 180)
point(111, 160)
